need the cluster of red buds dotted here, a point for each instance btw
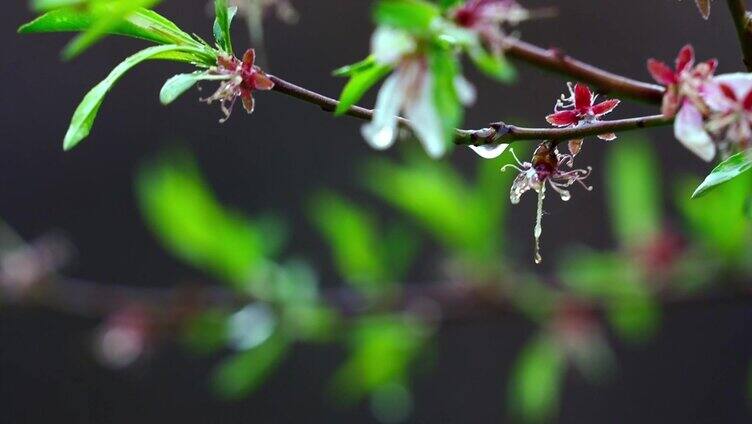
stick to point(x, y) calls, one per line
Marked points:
point(239, 79)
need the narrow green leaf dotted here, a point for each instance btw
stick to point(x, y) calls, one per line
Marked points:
point(360, 82)
point(725, 171)
point(142, 24)
point(717, 218)
point(634, 197)
point(445, 70)
point(411, 15)
point(382, 349)
point(105, 24)
point(352, 234)
point(179, 84)
point(222, 23)
point(193, 225)
point(495, 66)
point(83, 117)
point(247, 370)
point(537, 381)
point(349, 70)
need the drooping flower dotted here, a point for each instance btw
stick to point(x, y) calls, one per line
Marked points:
point(580, 108)
point(410, 90)
point(487, 18)
point(547, 166)
point(684, 98)
point(238, 79)
point(729, 98)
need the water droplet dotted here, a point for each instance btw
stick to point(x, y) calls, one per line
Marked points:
point(538, 231)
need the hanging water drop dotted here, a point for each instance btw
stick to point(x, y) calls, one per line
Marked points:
point(538, 231)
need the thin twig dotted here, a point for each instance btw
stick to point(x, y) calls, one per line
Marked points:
point(742, 23)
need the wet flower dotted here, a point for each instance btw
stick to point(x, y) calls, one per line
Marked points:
point(684, 98)
point(410, 90)
point(729, 98)
point(487, 18)
point(547, 166)
point(580, 108)
point(238, 79)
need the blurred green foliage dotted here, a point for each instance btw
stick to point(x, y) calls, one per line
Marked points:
point(367, 257)
point(633, 191)
point(718, 219)
point(183, 213)
point(466, 218)
point(536, 380)
point(382, 349)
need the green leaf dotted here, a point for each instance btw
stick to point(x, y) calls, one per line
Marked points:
point(382, 350)
point(617, 281)
point(411, 15)
point(105, 24)
point(430, 192)
point(247, 370)
point(353, 237)
point(179, 84)
point(360, 81)
point(222, 23)
point(725, 171)
point(445, 70)
point(537, 380)
point(142, 24)
point(495, 66)
point(634, 197)
point(717, 219)
point(349, 70)
point(86, 113)
point(185, 216)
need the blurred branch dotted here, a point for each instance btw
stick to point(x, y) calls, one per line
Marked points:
point(443, 302)
point(496, 133)
point(743, 23)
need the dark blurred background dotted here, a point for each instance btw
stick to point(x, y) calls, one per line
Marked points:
point(694, 371)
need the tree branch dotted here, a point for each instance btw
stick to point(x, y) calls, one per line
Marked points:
point(553, 60)
point(451, 301)
point(606, 82)
point(503, 133)
point(742, 21)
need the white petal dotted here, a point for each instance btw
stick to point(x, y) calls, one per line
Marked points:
point(689, 130)
point(425, 121)
point(381, 132)
point(388, 45)
point(465, 90)
point(489, 151)
point(740, 82)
